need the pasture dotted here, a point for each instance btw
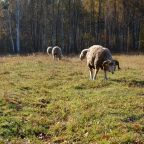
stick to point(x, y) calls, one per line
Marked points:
point(46, 101)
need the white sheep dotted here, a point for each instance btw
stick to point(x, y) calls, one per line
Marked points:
point(57, 52)
point(49, 50)
point(98, 57)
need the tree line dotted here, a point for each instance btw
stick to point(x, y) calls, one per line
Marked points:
point(28, 26)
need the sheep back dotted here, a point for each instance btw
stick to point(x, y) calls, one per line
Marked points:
point(83, 54)
point(96, 55)
point(57, 52)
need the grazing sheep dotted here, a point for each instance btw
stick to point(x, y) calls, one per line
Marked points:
point(84, 52)
point(49, 50)
point(57, 52)
point(98, 57)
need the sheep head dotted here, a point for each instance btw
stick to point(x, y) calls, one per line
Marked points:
point(109, 65)
point(117, 64)
point(83, 54)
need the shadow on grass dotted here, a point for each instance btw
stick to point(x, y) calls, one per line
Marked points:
point(130, 83)
point(5, 73)
point(25, 88)
point(92, 85)
point(133, 118)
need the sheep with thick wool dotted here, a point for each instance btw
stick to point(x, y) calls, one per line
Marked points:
point(57, 52)
point(98, 57)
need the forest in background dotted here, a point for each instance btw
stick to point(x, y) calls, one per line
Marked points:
point(28, 26)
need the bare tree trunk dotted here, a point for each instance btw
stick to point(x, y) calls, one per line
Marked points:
point(98, 23)
point(138, 37)
point(18, 25)
point(10, 30)
point(54, 23)
point(70, 32)
point(107, 24)
point(62, 27)
point(128, 40)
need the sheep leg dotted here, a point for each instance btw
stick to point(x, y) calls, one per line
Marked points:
point(53, 57)
point(118, 66)
point(105, 75)
point(95, 74)
point(59, 58)
point(91, 74)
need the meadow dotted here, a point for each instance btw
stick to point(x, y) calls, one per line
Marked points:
point(45, 101)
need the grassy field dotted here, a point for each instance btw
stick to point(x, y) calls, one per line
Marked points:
point(42, 101)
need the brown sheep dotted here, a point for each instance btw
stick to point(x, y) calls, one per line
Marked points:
point(98, 57)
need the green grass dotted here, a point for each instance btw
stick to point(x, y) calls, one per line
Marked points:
point(42, 101)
